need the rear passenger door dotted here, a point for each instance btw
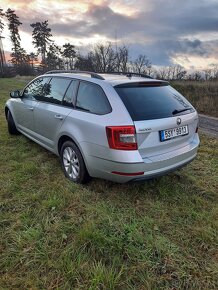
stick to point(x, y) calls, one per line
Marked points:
point(88, 118)
point(52, 109)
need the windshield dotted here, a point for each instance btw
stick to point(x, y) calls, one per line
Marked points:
point(153, 102)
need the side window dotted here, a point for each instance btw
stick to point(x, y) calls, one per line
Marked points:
point(91, 98)
point(35, 89)
point(55, 90)
point(70, 95)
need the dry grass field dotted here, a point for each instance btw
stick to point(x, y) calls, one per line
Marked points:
point(202, 94)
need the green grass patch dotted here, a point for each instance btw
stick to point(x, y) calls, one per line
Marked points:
point(159, 234)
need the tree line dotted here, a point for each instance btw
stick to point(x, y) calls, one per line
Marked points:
point(48, 55)
point(102, 57)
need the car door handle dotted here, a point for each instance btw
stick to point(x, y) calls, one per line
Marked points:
point(59, 117)
point(31, 108)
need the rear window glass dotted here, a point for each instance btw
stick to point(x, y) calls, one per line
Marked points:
point(70, 95)
point(91, 98)
point(153, 102)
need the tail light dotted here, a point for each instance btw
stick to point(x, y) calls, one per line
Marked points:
point(122, 137)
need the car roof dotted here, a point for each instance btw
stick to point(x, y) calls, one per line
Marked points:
point(114, 78)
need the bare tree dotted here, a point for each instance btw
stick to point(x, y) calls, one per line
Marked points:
point(161, 73)
point(176, 72)
point(179, 73)
point(141, 64)
point(214, 71)
point(85, 62)
point(197, 76)
point(104, 58)
point(208, 74)
point(122, 59)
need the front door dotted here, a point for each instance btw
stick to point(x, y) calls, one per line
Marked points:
point(25, 106)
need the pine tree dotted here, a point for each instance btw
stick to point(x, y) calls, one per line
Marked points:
point(53, 59)
point(13, 26)
point(32, 58)
point(1, 22)
point(41, 38)
point(69, 53)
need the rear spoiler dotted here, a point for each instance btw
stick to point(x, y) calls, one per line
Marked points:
point(143, 84)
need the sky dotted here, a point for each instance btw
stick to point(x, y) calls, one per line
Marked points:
point(169, 32)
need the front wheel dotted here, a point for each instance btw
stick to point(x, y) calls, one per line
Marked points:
point(73, 163)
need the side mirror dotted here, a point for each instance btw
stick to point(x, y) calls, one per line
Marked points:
point(15, 94)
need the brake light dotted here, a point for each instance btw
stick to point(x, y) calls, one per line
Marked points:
point(122, 137)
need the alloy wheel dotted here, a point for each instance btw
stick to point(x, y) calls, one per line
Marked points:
point(71, 162)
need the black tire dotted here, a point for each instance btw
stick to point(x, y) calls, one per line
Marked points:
point(73, 164)
point(11, 125)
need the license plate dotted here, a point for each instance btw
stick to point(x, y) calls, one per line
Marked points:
point(173, 133)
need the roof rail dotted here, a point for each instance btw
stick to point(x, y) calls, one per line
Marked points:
point(92, 74)
point(129, 74)
point(97, 76)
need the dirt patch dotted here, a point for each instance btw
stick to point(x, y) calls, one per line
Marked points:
point(208, 125)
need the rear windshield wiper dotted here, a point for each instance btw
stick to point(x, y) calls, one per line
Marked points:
point(180, 111)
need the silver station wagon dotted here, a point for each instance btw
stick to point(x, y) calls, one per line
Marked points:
point(119, 126)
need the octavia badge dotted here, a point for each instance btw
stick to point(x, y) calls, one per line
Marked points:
point(178, 121)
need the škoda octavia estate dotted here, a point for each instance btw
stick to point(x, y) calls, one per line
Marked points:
point(119, 126)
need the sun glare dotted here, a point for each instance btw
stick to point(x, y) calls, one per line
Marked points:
point(125, 10)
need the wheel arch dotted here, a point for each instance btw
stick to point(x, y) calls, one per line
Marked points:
point(62, 139)
point(6, 111)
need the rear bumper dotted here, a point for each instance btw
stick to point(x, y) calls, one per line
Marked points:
point(164, 172)
point(152, 167)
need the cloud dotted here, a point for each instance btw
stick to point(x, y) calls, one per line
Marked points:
point(163, 52)
point(160, 29)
